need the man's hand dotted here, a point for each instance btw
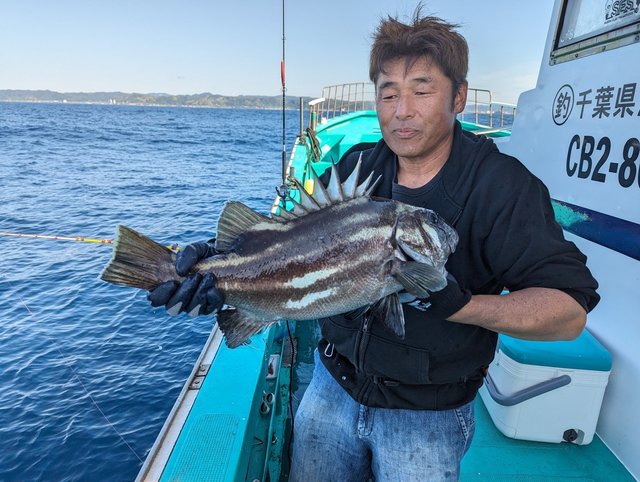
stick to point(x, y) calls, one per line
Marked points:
point(197, 294)
point(440, 304)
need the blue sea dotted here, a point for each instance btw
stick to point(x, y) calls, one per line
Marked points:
point(89, 371)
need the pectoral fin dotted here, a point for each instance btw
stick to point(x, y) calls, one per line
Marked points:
point(389, 311)
point(419, 279)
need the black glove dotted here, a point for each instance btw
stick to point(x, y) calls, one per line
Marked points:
point(197, 294)
point(440, 304)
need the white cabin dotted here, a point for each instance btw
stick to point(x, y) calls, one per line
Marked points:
point(579, 131)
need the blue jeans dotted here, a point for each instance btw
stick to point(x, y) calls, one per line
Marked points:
point(338, 440)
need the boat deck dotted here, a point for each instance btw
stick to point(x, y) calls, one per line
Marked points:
point(226, 437)
point(495, 457)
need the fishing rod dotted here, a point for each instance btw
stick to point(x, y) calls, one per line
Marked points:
point(284, 90)
point(283, 193)
point(80, 239)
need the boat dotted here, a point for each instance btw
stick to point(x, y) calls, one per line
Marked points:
point(577, 130)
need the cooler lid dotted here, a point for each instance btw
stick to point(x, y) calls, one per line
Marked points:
point(583, 353)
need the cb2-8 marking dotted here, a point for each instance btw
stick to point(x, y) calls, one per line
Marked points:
point(587, 157)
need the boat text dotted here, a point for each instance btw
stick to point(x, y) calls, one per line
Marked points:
point(595, 103)
point(591, 158)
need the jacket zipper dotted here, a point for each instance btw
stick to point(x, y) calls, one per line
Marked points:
point(363, 341)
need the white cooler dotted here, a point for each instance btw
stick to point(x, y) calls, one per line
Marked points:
point(547, 391)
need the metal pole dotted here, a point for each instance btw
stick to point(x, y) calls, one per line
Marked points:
point(490, 110)
point(476, 103)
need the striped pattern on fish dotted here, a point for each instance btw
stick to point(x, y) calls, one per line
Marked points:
point(338, 250)
point(320, 263)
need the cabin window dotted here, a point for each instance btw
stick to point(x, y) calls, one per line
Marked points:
point(590, 26)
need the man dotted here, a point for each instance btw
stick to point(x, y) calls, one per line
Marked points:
point(393, 409)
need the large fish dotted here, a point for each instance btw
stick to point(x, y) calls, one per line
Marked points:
point(338, 250)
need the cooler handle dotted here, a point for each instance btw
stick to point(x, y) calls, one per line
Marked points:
point(526, 393)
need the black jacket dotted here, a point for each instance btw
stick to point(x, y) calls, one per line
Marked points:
point(509, 239)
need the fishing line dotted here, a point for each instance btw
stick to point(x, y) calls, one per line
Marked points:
point(80, 239)
point(75, 373)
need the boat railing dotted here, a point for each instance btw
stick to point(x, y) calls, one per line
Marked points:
point(482, 110)
point(342, 99)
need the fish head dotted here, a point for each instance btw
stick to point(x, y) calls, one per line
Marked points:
point(423, 236)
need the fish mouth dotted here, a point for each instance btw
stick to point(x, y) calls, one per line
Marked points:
point(425, 237)
point(446, 234)
point(411, 254)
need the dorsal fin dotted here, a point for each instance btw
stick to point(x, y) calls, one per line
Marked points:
point(307, 201)
point(334, 193)
point(367, 186)
point(335, 188)
point(351, 184)
point(298, 209)
point(320, 193)
point(235, 220)
point(282, 215)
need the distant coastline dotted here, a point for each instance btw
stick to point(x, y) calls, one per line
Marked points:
point(161, 100)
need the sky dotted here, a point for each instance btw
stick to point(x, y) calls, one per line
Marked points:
point(234, 47)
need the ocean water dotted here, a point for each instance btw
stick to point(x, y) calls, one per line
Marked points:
point(89, 371)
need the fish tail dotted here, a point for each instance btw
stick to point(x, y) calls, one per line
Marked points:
point(138, 261)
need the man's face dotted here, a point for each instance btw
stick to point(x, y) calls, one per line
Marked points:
point(417, 109)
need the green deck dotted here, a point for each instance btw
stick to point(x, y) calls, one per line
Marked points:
point(494, 457)
point(226, 436)
point(227, 439)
